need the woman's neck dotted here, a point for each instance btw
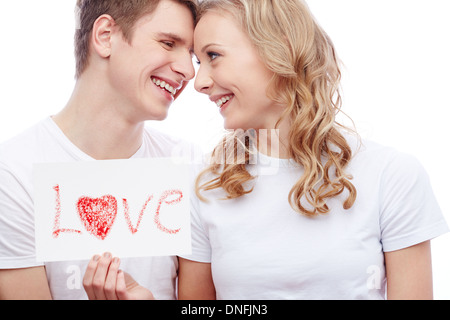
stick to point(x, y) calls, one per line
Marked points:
point(275, 142)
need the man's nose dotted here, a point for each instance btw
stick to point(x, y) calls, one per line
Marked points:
point(184, 66)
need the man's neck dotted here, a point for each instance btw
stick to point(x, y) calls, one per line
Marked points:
point(94, 124)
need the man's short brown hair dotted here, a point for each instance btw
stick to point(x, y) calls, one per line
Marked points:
point(124, 12)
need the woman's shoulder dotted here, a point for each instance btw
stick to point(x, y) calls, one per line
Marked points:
point(373, 157)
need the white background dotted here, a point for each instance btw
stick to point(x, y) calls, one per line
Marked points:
point(396, 81)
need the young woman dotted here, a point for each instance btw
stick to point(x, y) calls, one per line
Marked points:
point(292, 205)
point(325, 217)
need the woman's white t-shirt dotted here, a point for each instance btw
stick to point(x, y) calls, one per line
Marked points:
point(260, 248)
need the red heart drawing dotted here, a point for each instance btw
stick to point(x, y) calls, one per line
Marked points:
point(98, 214)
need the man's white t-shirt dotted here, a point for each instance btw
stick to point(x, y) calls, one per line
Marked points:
point(45, 142)
point(260, 248)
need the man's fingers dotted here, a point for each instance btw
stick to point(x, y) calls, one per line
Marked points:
point(103, 280)
point(121, 288)
point(89, 276)
point(111, 280)
point(98, 281)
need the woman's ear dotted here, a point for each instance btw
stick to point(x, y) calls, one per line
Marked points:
point(101, 35)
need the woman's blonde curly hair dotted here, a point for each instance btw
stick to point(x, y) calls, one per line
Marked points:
point(306, 80)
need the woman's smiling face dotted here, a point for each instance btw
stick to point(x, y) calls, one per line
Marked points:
point(232, 74)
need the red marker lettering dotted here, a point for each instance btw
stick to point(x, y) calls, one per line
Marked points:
point(127, 214)
point(98, 214)
point(56, 229)
point(162, 200)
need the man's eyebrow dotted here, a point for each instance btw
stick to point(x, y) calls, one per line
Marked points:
point(175, 37)
point(171, 36)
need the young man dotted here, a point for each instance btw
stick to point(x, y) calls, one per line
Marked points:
point(125, 50)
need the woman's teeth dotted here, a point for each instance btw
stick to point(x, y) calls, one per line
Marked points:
point(223, 100)
point(163, 85)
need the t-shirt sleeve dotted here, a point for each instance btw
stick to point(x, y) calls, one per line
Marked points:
point(410, 213)
point(17, 246)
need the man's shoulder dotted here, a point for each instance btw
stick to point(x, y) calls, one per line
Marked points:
point(22, 140)
point(27, 146)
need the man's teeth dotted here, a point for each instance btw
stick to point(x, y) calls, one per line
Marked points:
point(163, 85)
point(223, 100)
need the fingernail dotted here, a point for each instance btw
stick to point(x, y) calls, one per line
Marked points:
point(107, 255)
point(116, 261)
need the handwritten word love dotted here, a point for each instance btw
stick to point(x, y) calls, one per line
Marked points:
point(99, 214)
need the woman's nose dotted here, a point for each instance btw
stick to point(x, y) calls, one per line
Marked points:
point(203, 81)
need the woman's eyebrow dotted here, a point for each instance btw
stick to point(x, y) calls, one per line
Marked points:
point(207, 46)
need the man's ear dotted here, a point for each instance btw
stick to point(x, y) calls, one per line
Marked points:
point(101, 35)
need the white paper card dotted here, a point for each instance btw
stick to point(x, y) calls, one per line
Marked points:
point(131, 208)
